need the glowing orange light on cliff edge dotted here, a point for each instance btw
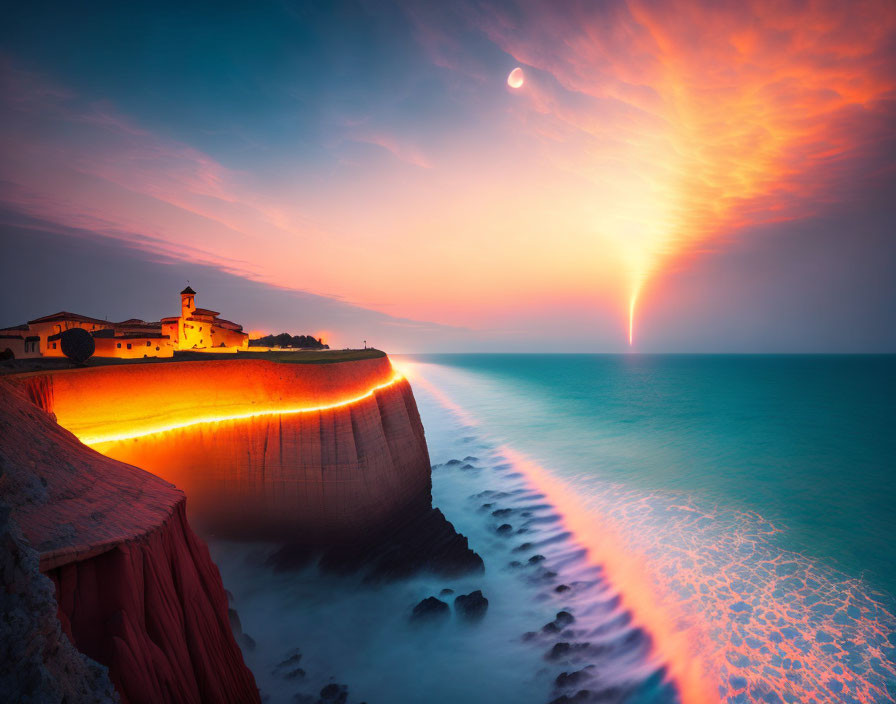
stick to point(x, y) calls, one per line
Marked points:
point(163, 427)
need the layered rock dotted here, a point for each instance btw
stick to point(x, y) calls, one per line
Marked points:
point(317, 456)
point(332, 451)
point(136, 589)
point(40, 664)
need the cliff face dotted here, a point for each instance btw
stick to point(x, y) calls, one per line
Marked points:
point(40, 664)
point(136, 589)
point(323, 476)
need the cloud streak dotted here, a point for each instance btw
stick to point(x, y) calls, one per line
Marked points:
point(695, 120)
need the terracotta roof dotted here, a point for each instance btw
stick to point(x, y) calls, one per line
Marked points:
point(65, 315)
point(205, 311)
point(188, 290)
point(121, 335)
point(229, 324)
point(139, 325)
point(23, 326)
point(171, 318)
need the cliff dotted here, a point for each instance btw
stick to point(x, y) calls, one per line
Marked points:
point(40, 664)
point(136, 589)
point(321, 452)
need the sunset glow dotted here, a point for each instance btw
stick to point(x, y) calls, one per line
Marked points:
point(574, 165)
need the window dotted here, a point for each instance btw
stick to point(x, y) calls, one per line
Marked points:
point(157, 349)
point(129, 345)
point(148, 343)
point(54, 345)
point(118, 345)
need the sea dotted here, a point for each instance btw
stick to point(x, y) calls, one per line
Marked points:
point(655, 528)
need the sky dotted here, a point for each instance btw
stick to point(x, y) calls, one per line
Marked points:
point(669, 176)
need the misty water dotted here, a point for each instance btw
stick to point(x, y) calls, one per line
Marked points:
point(735, 512)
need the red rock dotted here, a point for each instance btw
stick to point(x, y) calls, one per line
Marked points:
point(137, 590)
point(325, 476)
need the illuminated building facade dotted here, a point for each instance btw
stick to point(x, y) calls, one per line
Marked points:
point(200, 328)
point(195, 328)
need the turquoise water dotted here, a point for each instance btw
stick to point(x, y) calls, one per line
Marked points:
point(807, 442)
point(714, 528)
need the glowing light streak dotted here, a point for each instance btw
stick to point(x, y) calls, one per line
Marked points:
point(203, 420)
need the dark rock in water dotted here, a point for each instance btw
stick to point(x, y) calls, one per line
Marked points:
point(502, 512)
point(453, 462)
point(564, 618)
point(529, 635)
point(334, 694)
point(559, 650)
point(430, 608)
point(515, 563)
point(523, 547)
point(471, 606)
point(467, 466)
point(242, 638)
point(567, 680)
point(561, 621)
point(504, 529)
point(580, 697)
point(295, 657)
point(298, 673)
point(470, 458)
point(560, 588)
point(446, 592)
point(535, 559)
point(487, 506)
point(425, 542)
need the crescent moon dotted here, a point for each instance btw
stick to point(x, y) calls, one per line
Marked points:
point(516, 78)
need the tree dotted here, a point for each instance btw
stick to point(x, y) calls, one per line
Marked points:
point(77, 344)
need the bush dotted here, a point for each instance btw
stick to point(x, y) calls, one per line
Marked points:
point(77, 344)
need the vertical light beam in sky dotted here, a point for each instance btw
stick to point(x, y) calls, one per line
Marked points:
point(689, 122)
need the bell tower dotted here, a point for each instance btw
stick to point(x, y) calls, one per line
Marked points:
point(187, 304)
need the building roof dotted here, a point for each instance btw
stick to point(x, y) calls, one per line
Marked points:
point(229, 324)
point(108, 333)
point(171, 319)
point(11, 337)
point(205, 311)
point(65, 315)
point(188, 290)
point(139, 325)
point(23, 326)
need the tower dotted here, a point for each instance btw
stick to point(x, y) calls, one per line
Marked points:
point(187, 304)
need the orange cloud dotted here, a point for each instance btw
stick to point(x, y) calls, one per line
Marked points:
point(693, 120)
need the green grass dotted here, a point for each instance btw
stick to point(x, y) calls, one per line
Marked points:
point(302, 356)
point(20, 366)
